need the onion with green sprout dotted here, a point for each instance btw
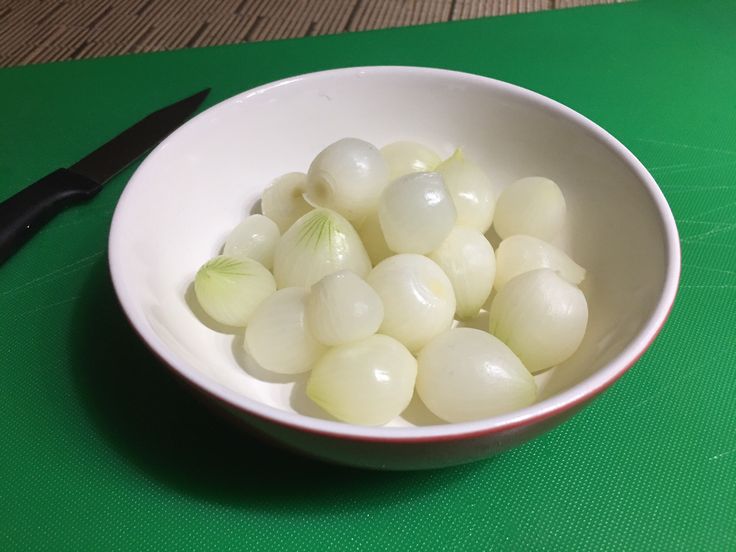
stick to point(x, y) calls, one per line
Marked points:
point(229, 289)
point(319, 243)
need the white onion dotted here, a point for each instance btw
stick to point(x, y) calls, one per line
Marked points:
point(518, 254)
point(278, 337)
point(467, 258)
point(255, 237)
point(541, 317)
point(367, 382)
point(319, 243)
point(416, 213)
point(230, 288)
point(407, 157)
point(342, 308)
point(372, 237)
point(417, 296)
point(471, 191)
point(348, 177)
point(533, 206)
point(466, 374)
point(283, 201)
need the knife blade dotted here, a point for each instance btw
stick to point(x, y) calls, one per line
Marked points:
point(23, 214)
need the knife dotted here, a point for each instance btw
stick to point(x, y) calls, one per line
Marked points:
point(23, 214)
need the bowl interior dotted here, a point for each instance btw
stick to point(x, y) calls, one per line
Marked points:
point(183, 200)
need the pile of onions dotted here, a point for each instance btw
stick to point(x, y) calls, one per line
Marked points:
point(363, 270)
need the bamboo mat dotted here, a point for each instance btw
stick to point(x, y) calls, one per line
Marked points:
point(37, 31)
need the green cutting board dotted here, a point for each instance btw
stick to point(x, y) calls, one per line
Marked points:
point(103, 450)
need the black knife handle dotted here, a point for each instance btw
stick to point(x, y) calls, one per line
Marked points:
point(23, 214)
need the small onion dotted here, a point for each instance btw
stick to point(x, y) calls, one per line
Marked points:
point(348, 177)
point(277, 336)
point(533, 206)
point(467, 258)
point(466, 374)
point(230, 288)
point(417, 296)
point(407, 157)
point(416, 213)
point(372, 237)
point(471, 191)
point(283, 201)
point(256, 237)
point(541, 317)
point(368, 382)
point(318, 244)
point(518, 254)
point(342, 308)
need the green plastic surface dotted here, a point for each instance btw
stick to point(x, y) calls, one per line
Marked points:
point(103, 449)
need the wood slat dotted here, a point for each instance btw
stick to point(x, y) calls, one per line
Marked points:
point(123, 30)
point(36, 31)
point(579, 3)
point(18, 21)
point(224, 26)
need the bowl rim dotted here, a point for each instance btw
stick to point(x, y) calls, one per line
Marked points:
point(538, 412)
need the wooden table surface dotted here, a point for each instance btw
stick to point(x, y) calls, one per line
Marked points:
point(38, 31)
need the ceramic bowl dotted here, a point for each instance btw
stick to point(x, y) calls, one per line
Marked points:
point(202, 180)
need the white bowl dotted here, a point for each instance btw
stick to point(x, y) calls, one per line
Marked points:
point(201, 181)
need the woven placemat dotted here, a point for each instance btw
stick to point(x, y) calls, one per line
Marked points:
point(39, 31)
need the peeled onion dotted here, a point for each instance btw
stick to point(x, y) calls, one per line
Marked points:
point(255, 237)
point(319, 243)
point(230, 288)
point(283, 201)
point(466, 374)
point(416, 213)
point(418, 300)
point(533, 206)
point(467, 258)
point(342, 308)
point(518, 254)
point(348, 177)
point(372, 237)
point(278, 337)
point(407, 157)
point(368, 382)
point(471, 191)
point(541, 316)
